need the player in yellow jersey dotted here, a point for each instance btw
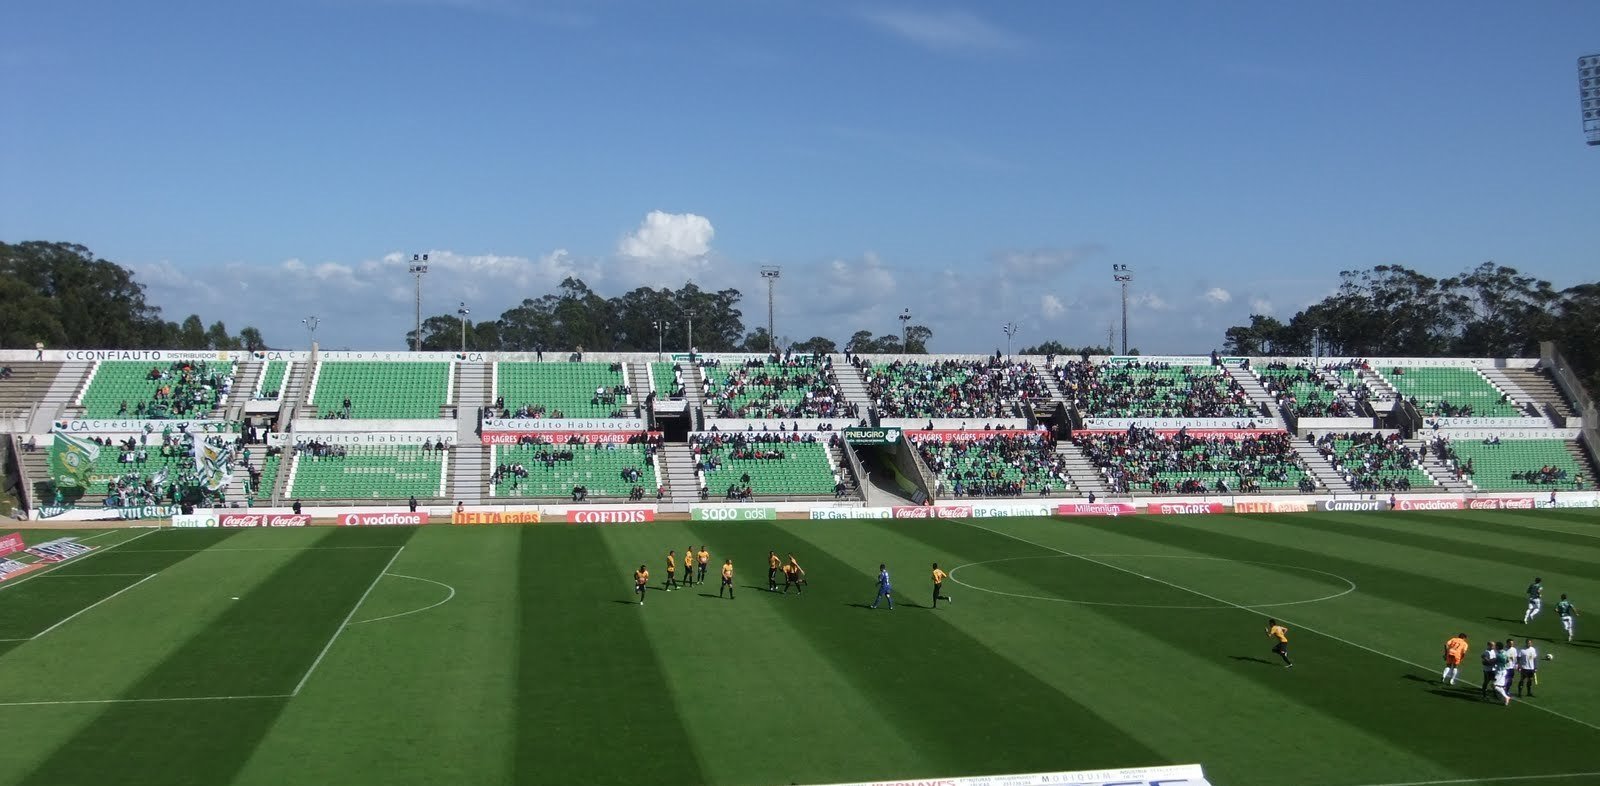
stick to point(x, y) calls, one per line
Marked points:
point(938, 586)
point(773, 563)
point(672, 571)
point(727, 579)
point(705, 559)
point(641, 578)
point(1281, 634)
point(791, 576)
point(688, 567)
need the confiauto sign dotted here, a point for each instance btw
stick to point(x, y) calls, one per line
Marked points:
point(1430, 504)
point(634, 516)
point(496, 517)
point(1096, 509)
point(241, 520)
point(398, 519)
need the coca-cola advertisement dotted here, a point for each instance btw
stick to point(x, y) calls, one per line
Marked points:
point(395, 519)
point(1430, 504)
point(1502, 503)
point(933, 512)
point(243, 520)
point(1096, 509)
point(633, 516)
point(1186, 508)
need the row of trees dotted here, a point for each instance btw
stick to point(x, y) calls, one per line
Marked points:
point(65, 296)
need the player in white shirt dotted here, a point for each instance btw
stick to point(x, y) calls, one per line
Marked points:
point(1502, 682)
point(1535, 600)
point(1508, 677)
point(1527, 667)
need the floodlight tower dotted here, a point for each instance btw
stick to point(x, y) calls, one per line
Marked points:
point(1122, 275)
point(905, 330)
point(1010, 329)
point(661, 326)
point(311, 323)
point(771, 273)
point(419, 267)
point(463, 312)
point(1589, 96)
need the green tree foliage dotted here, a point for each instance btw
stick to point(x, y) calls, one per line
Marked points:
point(815, 344)
point(1059, 349)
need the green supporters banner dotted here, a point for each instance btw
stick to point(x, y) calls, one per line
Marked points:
point(72, 461)
point(731, 513)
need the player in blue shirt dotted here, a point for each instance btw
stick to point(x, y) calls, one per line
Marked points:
point(885, 590)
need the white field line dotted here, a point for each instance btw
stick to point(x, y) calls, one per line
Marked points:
point(447, 599)
point(261, 548)
point(101, 535)
point(54, 575)
point(140, 701)
point(346, 623)
point(75, 614)
point(1503, 779)
point(90, 555)
point(1307, 628)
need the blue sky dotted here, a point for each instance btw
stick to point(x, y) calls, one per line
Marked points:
point(260, 161)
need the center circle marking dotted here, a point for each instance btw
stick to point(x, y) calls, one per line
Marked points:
point(1348, 589)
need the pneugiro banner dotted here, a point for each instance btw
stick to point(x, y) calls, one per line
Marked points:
point(872, 436)
point(1352, 505)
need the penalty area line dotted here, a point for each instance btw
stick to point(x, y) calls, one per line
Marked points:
point(346, 623)
point(64, 702)
point(75, 614)
point(1501, 779)
point(76, 561)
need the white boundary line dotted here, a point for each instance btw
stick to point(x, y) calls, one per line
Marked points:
point(90, 555)
point(447, 599)
point(1350, 589)
point(1307, 628)
point(346, 623)
point(140, 701)
point(1504, 779)
point(54, 575)
point(75, 614)
point(261, 548)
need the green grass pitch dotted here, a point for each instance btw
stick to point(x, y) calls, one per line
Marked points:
point(517, 655)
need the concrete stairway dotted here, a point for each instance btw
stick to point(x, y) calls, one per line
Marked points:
point(295, 390)
point(28, 385)
point(1442, 475)
point(677, 464)
point(1321, 469)
point(245, 378)
point(1540, 389)
point(1085, 476)
point(70, 383)
point(472, 390)
point(638, 380)
point(850, 384)
point(1258, 394)
point(852, 484)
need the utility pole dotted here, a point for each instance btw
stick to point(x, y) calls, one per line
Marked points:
point(1122, 275)
point(463, 312)
point(905, 332)
point(661, 326)
point(689, 315)
point(419, 267)
point(771, 273)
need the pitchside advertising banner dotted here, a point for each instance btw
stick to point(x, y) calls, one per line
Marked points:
point(1271, 507)
point(1503, 503)
point(1186, 508)
point(834, 514)
point(472, 517)
point(563, 424)
point(1456, 503)
point(633, 516)
point(1096, 509)
point(1235, 424)
point(1352, 505)
point(932, 511)
point(731, 513)
point(392, 519)
point(563, 437)
point(107, 514)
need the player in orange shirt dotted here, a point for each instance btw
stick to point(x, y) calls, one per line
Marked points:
point(1279, 632)
point(938, 586)
point(688, 567)
point(672, 570)
point(705, 558)
point(1454, 650)
point(727, 579)
point(641, 577)
point(773, 563)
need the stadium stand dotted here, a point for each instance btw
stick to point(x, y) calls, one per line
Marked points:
point(562, 390)
point(1153, 390)
point(999, 465)
point(366, 472)
point(669, 380)
point(1373, 461)
point(272, 377)
point(801, 386)
point(381, 390)
point(1303, 391)
point(743, 465)
point(266, 478)
point(1443, 391)
point(577, 470)
point(1142, 460)
point(952, 388)
point(1494, 464)
point(154, 391)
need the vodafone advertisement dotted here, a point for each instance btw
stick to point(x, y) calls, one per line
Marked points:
point(1097, 509)
point(563, 437)
point(396, 519)
point(933, 512)
point(243, 520)
point(1430, 504)
point(1502, 503)
point(630, 516)
point(1187, 508)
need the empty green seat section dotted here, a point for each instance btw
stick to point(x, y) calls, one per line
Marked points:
point(1451, 392)
point(409, 390)
point(1522, 464)
point(269, 478)
point(803, 471)
point(386, 472)
point(597, 468)
point(663, 373)
point(156, 390)
point(272, 379)
point(563, 390)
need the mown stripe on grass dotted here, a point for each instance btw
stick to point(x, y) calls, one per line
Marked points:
point(262, 644)
point(592, 701)
point(1491, 547)
point(909, 663)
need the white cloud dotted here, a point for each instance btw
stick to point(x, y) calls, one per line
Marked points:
point(1051, 306)
point(1149, 300)
point(1038, 263)
point(669, 236)
point(1260, 305)
point(948, 30)
point(1218, 295)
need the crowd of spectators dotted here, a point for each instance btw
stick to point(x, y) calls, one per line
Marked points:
point(989, 388)
point(1003, 465)
point(1312, 392)
point(787, 386)
point(183, 389)
point(708, 451)
point(1153, 390)
point(1183, 464)
point(1372, 461)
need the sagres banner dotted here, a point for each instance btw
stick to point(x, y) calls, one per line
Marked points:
point(72, 461)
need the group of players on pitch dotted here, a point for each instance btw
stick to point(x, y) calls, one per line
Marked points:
point(1507, 668)
point(793, 576)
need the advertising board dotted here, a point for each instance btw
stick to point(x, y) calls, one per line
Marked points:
point(1352, 505)
point(629, 516)
point(563, 437)
point(932, 511)
point(835, 514)
point(1502, 503)
point(1186, 508)
point(731, 513)
point(1430, 504)
point(1097, 509)
point(1264, 506)
point(468, 517)
point(246, 520)
point(194, 521)
point(391, 519)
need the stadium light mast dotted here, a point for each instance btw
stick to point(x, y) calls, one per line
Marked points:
point(463, 312)
point(311, 323)
point(688, 314)
point(1122, 275)
point(905, 330)
point(1589, 97)
point(661, 326)
point(419, 267)
point(771, 273)
point(1010, 329)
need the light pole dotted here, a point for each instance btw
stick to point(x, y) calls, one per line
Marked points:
point(771, 273)
point(661, 326)
point(1010, 329)
point(689, 315)
point(1122, 275)
point(419, 266)
point(905, 330)
point(463, 312)
point(311, 323)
